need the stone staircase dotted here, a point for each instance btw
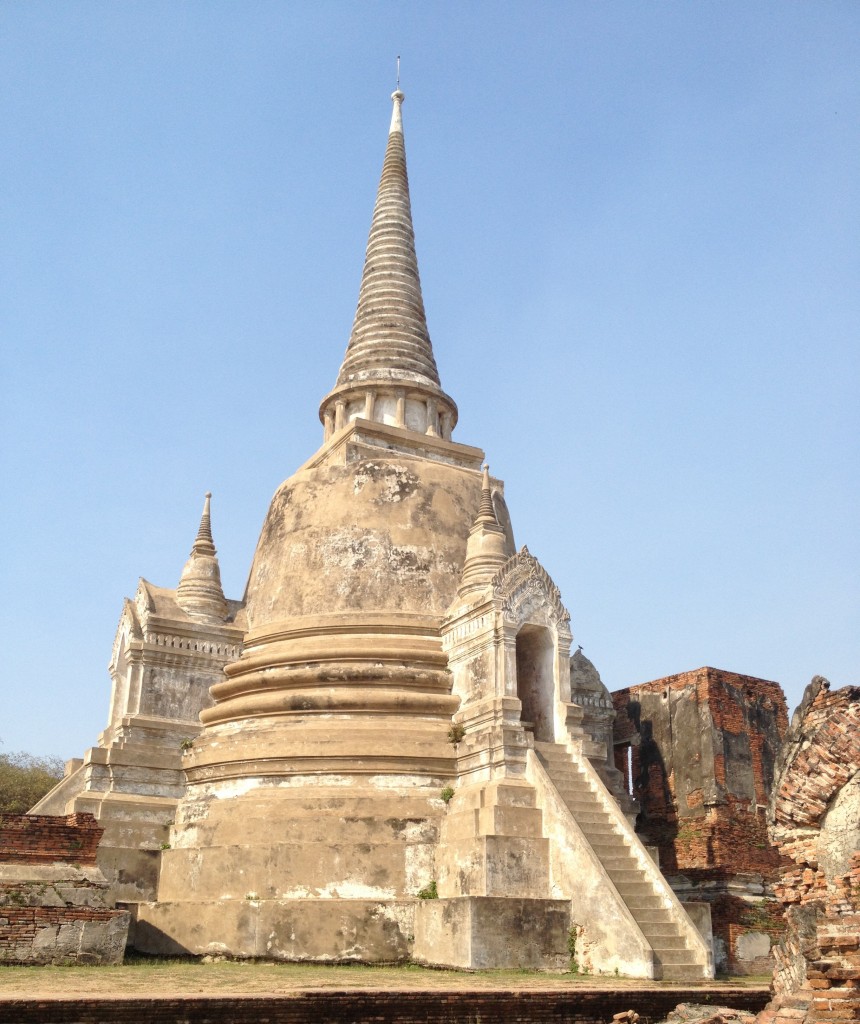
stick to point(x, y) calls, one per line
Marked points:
point(673, 959)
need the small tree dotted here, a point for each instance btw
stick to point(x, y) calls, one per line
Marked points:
point(25, 779)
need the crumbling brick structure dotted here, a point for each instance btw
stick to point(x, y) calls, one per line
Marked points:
point(814, 817)
point(699, 750)
point(52, 905)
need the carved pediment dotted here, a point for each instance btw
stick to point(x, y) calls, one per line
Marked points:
point(523, 583)
point(127, 629)
point(143, 599)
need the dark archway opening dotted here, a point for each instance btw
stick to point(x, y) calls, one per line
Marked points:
point(536, 681)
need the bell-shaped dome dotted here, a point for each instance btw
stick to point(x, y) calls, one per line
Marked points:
point(386, 534)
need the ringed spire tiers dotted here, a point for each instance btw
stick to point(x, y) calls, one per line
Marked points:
point(199, 592)
point(486, 549)
point(389, 374)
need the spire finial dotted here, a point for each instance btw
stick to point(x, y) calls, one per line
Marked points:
point(398, 72)
point(396, 113)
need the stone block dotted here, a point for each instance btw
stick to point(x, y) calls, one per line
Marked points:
point(313, 929)
point(494, 866)
point(483, 932)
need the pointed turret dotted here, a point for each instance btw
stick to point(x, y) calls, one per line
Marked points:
point(199, 592)
point(389, 373)
point(486, 549)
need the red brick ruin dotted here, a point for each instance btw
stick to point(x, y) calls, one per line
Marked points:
point(52, 906)
point(699, 750)
point(815, 823)
point(44, 839)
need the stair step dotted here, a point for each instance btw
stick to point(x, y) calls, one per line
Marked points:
point(547, 746)
point(618, 860)
point(659, 930)
point(667, 943)
point(592, 818)
point(633, 886)
point(679, 972)
point(578, 806)
point(654, 917)
point(675, 957)
point(663, 940)
point(628, 876)
point(576, 795)
point(637, 903)
point(630, 882)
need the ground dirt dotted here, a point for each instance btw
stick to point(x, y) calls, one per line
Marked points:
point(168, 977)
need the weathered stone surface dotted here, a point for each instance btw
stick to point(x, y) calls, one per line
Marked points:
point(486, 931)
point(323, 930)
point(54, 902)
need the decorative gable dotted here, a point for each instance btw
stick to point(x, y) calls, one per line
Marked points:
point(524, 591)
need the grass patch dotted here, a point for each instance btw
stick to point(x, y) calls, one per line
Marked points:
point(165, 976)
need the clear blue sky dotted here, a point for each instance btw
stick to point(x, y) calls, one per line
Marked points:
point(637, 225)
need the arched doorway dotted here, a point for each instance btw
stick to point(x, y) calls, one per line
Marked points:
point(536, 680)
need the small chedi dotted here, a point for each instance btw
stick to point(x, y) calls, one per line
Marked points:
point(390, 712)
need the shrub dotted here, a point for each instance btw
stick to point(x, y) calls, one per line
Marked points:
point(25, 779)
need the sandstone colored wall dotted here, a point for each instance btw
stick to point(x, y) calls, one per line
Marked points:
point(52, 895)
point(700, 748)
point(815, 823)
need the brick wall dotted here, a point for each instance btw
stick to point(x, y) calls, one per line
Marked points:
point(703, 747)
point(817, 976)
point(52, 907)
point(45, 839)
point(22, 929)
point(572, 1006)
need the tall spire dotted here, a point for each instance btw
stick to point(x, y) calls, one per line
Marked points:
point(389, 373)
point(199, 592)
